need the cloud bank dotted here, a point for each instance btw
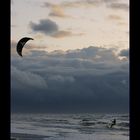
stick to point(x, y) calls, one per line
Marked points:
point(116, 5)
point(92, 79)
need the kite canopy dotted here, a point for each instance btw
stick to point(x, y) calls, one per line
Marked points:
point(21, 44)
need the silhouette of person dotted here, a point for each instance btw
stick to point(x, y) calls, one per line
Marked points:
point(113, 123)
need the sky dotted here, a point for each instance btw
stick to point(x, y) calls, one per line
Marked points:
point(78, 60)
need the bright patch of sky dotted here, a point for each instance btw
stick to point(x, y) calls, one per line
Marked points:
point(84, 23)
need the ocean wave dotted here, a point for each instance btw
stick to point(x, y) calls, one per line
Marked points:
point(123, 124)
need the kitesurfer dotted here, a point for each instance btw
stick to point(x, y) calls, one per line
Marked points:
point(113, 123)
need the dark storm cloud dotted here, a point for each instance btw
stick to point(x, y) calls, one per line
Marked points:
point(90, 79)
point(45, 26)
point(27, 80)
point(124, 53)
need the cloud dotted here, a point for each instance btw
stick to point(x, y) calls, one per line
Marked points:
point(57, 11)
point(82, 3)
point(119, 6)
point(124, 53)
point(46, 26)
point(61, 78)
point(114, 17)
point(61, 34)
point(50, 28)
point(23, 79)
point(88, 79)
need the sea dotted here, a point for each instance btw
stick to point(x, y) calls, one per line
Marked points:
point(69, 126)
